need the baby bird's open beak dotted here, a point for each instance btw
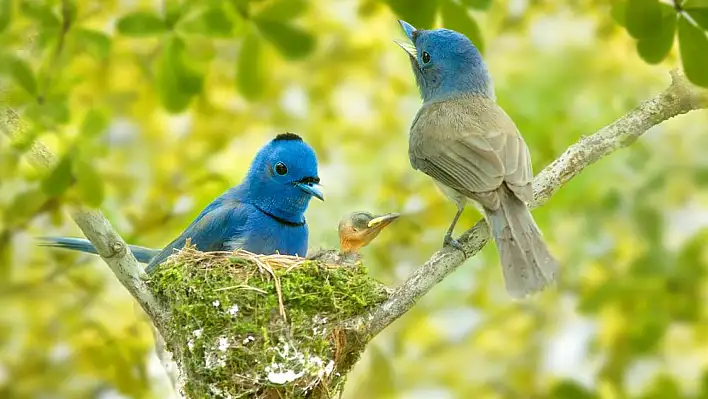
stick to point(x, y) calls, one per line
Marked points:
point(311, 188)
point(380, 222)
point(410, 32)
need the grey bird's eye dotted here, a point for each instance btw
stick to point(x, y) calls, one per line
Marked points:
point(426, 57)
point(280, 168)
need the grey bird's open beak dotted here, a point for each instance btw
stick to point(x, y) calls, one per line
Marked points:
point(382, 221)
point(311, 188)
point(410, 32)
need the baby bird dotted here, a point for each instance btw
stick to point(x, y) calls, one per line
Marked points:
point(356, 230)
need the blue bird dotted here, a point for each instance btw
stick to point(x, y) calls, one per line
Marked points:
point(264, 214)
point(473, 151)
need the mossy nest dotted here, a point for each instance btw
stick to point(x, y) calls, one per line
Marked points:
point(249, 326)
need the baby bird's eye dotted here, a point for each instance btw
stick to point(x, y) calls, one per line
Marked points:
point(426, 57)
point(280, 168)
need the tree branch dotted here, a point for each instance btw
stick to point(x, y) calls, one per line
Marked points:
point(679, 98)
point(111, 247)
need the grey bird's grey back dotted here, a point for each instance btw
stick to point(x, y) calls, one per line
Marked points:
point(473, 150)
point(470, 145)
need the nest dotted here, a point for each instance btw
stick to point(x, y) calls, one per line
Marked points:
point(255, 326)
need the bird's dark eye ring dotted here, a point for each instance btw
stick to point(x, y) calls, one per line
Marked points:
point(426, 57)
point(280, 168)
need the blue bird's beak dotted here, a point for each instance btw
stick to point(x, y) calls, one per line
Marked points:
point(410, 31)
point(311, 188)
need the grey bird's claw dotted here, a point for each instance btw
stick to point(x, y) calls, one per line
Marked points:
point(453, 243)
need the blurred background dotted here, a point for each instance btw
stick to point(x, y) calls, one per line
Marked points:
point(156, 124)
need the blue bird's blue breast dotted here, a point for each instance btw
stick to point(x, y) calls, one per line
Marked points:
point(265, 234)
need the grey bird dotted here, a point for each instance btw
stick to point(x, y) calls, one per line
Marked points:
point(473, 150)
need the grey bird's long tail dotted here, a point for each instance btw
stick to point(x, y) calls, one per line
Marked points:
point(527, 264)
point(142, 254)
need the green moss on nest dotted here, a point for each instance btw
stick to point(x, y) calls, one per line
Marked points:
point(228, 331)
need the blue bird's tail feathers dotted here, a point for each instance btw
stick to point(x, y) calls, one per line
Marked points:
point(142, 254)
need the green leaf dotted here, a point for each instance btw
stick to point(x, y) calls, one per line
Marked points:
point(50, 113)
point(642, 18)
point(23, 75)
point(242, 7)
point(212, 22)
point(457, 18)
point(700, 15)
point(569, 389)
point(177, 83)
point(94, 42)
point(5, 14)
point(693, 45)
point(141, 24)
point(69, 10)
point(89, 184)
point(95, 122)
point(664, 386)
point(478, 4)
point(59, 179)
point(174, 10)
point(291, 41)
point(24, 206)
point(283, 10)
point(694, 4)
point(420, 14)
point(619, 12)
point(40, 13)
point(250, 76)
point(704, 384)
point(654, 49)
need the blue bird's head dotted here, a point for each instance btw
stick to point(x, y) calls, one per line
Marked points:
point(283, 178)
point(445, 63)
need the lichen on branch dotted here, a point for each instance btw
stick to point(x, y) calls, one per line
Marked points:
point(244, 325)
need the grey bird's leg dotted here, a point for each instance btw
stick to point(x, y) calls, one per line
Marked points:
point(448, 236)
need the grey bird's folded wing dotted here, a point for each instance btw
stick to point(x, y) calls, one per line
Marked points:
point(472, 146)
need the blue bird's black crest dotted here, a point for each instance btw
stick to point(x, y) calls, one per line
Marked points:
point(287, 136)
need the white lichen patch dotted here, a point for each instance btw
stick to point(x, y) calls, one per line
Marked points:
point(329, 368)
point(233, 310)
point(318, 326)
point(213, 360)
point(290, 364)
point(216, 355)
point(283, 377)
point(223, 344)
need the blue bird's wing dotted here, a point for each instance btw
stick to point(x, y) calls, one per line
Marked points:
point(219, 227)
point(472, 146)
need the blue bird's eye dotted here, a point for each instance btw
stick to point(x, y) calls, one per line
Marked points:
point(426, 57)
point(280, 168)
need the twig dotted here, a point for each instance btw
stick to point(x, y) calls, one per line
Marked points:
point(242, 287)
point(679, 98)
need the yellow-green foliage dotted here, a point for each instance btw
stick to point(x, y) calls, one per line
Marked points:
point(628, 321)
point(227, 325)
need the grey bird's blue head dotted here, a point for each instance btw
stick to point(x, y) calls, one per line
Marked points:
point(283, 177)
point(446, 64)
